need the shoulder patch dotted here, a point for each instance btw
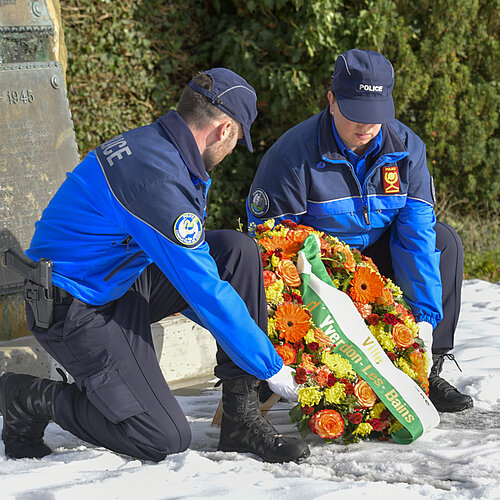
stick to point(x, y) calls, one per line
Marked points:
point(188, 229)
point(259, 202)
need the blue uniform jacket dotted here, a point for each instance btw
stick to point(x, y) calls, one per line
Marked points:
point(303, 177)
point(137, 199)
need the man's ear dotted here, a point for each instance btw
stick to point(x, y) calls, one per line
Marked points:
point(224, 130)
point(331, 100)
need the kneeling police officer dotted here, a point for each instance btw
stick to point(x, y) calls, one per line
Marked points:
point(125, 235)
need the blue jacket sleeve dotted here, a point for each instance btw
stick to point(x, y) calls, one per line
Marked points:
point(194, 274)
point(416, 260)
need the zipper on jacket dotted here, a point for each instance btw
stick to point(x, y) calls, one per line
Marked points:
point(122, 265)
point(366, 215)
point(126, 241)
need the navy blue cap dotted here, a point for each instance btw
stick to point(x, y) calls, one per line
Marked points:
point(363, 81)
point(233, 95)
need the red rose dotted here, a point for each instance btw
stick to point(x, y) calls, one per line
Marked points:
point(314, 346)
point(308, 410)
point(375, 423)
point(300, 375)
point(289, 223)
point(391, 356)
point(391, 319)
point(385, 414)
point(298, 346)
point(331, 380)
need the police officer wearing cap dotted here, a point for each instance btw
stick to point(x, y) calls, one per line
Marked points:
point(126, 235)
point(357, 173)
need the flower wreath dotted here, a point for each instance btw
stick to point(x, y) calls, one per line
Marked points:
point(333, 401)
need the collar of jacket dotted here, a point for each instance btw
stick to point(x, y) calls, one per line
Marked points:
point(183, 140)
point(328, 149)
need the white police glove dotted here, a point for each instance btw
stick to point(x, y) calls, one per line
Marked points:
point(425, 333)
point(283, 384)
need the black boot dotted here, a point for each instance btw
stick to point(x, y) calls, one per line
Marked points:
point(443, 395)
point(244, 429)
point(27, 404)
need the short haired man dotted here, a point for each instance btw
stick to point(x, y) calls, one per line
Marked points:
point(125, 233)
point(355, 172)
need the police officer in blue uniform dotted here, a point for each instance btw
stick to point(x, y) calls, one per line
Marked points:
point(126, 235)
point(355, 172)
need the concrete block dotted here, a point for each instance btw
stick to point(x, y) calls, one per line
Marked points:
point(185, 351)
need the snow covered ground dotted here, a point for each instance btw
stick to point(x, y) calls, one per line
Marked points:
point(458, 460)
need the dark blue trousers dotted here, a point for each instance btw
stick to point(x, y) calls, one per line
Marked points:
point(451, 267)
point(120, 399)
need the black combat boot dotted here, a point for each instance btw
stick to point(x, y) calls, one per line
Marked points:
point(244, 429)
point(443, 395)
point(27, 404)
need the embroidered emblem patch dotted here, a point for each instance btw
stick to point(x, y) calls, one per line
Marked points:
point(259, 203)
point(188, 229)
point(391, 179)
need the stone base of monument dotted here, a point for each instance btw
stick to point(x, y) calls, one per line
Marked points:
point(185, 351)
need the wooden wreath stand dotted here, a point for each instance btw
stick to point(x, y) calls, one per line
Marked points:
point(264, 408)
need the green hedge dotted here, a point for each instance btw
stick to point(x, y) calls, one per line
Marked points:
point(129, 60)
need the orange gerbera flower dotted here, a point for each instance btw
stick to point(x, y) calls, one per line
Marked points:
point(366, 285)
point(292, 322)
point(287, 247)
point(288, 273)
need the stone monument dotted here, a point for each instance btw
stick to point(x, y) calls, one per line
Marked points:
point(37, 141)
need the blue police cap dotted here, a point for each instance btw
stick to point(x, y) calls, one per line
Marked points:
point(233, 95)
point(363, 81)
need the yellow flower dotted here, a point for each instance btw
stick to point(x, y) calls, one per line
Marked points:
point(274, 292)
point(271, 328)
point(363, 429)
point(269, 223)
point(385, 339)
point(335, 394)
point(396, 291)
point(340, 367)
point(275, 261)
point(395, 426)
point(377, 410)
point(279, 232)
point(405, 367)
point(309, 337)
point(309, 396)
point(336, 282)
point(411, 325)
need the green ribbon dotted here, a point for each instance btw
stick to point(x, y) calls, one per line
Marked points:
point(334, 312)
